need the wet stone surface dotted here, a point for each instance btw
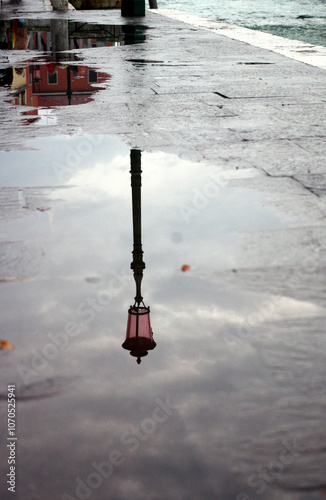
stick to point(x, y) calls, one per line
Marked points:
point(58, 77)
point(231, 402)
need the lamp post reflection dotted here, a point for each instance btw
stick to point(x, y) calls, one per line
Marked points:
point(139, 335)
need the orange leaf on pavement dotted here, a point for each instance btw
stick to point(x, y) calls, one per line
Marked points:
point(4, 344)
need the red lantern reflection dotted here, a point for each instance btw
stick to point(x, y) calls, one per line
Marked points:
point(139, 335)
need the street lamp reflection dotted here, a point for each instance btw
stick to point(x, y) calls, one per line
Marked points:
point(139, 335)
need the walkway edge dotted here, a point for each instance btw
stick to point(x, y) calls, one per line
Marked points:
point(313, 55)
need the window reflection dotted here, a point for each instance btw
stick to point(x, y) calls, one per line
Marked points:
point(58, 77)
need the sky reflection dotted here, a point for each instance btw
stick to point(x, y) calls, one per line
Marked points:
point(210, 404)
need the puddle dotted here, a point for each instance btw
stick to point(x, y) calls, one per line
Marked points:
point(186, 400)
point(48, 84)
point(205, 219)
point(44, 117)
point(57, 35)
point(58, 77)
point(238, 368)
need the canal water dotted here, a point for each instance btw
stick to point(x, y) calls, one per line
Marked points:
point(230, 404)
point(303, 20)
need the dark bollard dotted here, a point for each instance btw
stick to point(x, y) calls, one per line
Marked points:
point(133, 8)
point(152, 4)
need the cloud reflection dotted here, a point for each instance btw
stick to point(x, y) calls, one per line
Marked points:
point(225, 404)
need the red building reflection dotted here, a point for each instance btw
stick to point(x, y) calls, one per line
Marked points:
point(49, 84)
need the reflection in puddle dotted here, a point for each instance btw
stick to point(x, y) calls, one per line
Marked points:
point(139, 335)
point(43, 116)
point(57, 78)
point(57, 35)
point(232, 406)
point(235, 360)
point(50, 84)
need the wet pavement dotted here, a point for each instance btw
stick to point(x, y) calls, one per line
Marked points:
point(231, 402)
